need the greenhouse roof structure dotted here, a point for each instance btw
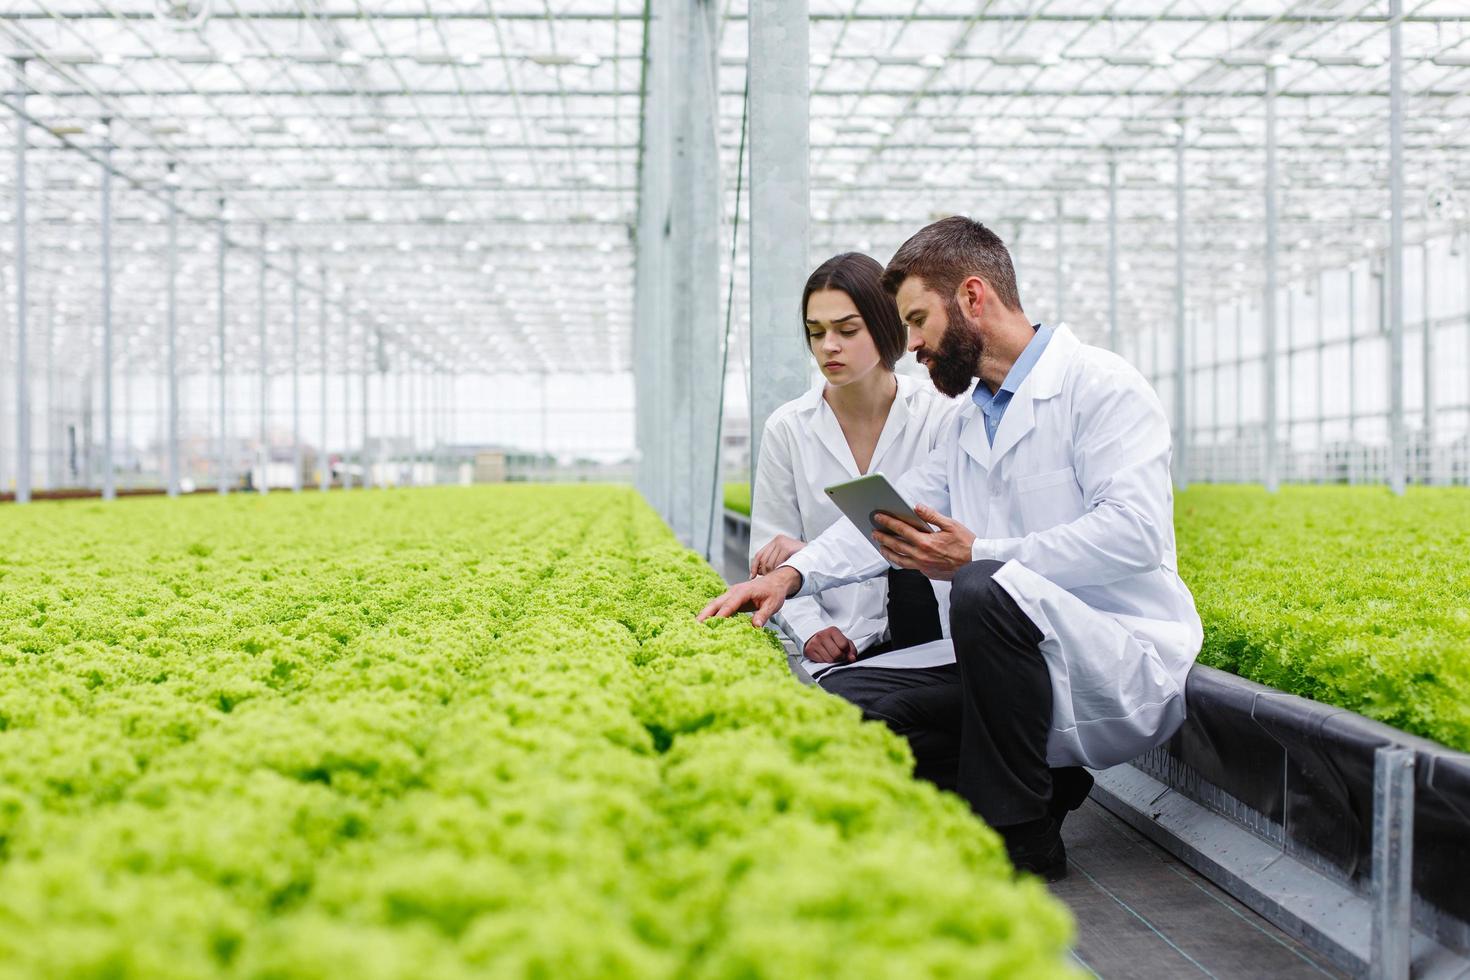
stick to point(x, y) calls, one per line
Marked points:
point(465, 173)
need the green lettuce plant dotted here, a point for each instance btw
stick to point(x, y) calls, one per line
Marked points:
point(448, 733)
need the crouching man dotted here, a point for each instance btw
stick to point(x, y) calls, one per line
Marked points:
point(1052, 510)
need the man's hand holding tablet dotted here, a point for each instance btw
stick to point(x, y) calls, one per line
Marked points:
point(918, 537)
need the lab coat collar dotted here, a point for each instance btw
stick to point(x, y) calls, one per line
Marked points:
point(822, 421)
point(1044, 381)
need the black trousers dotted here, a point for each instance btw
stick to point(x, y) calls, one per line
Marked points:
point(977, 727)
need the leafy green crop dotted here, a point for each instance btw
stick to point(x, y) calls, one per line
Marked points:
point(737, 498)
point(444, 733)
point(1347, 595)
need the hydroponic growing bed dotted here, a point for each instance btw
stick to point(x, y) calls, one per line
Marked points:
point(449, 732)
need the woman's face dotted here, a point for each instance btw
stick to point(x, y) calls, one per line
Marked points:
point(838, 337)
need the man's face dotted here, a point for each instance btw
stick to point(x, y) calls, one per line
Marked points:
point(940, 336)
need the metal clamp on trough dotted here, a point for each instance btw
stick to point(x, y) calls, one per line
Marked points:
point(1351, 835)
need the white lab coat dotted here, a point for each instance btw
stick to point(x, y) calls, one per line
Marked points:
point(803, 451)
point(1075, 497)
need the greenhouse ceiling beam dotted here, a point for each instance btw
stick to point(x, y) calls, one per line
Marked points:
point(736, 93)
point(236, 151)
point(44, 13)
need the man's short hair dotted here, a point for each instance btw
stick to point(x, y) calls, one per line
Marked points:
point(950, 251)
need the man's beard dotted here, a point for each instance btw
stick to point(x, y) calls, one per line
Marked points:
point(952, 365)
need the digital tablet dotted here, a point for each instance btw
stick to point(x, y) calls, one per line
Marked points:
point(860, 499)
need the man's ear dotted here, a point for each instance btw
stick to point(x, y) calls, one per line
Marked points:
point(972, 295)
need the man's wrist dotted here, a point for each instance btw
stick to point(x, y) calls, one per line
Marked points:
point(791, 577)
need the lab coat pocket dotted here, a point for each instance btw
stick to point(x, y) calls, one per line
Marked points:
point(1048, 499)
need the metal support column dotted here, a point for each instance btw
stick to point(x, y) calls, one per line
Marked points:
point(780, 208)
point(1114, 341)
point(1397, 441)
point(1181, 269)
point(222, 449)
point(1426, 467)
point(1322, 379)
point(109, 478)
point(1268, 304)
point(22, 367)
point(1352, 372)
point(1393, 863)
point(362, 454)
point(174, 474)
point(702, 207)
point(264, 454)
point(296, 456)
point(324, 465)
point(347, 396)
point(1061, 284)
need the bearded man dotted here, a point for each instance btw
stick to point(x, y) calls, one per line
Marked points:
point(1053, 518)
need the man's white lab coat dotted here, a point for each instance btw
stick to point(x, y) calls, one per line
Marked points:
point(1075, 497)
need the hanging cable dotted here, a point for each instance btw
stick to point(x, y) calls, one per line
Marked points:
point(715, 495)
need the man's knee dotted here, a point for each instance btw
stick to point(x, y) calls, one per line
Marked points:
point(974, 589)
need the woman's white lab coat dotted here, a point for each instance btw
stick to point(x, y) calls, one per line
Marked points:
point(802, 451)
point(1075, 497)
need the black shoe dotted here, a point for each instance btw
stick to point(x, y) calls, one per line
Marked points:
point(1070, 787)
point(1036, 847)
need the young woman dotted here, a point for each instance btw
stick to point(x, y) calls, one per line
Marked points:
point(861, 418)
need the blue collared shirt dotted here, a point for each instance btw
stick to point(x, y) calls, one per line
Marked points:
point(994, 406)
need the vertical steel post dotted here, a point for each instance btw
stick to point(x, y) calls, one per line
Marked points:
point(222, 463)
point(362, 453)
point(1352, 371)
point(264, 454)
point(22, 367)
point(1322, 378)
point(1114, 341)
point(1393, 863)
point(1181, 269)
point(296, 456)
point(1239, 387)
point(702, 209)
point(174, 474)
point(347, 397)
point(779, 70)
point(384, 479)
point(1426, 467)
point(324, 465)
point(1218, 356)
point(1061, 284)
point(1268, 306)
point(1397, 440)
point(109, 478)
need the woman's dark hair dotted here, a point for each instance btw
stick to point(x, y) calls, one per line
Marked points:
point(861, 278)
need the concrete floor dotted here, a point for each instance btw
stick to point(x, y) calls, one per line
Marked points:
point(1142, 914)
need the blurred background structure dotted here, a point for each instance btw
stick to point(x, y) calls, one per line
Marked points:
point(270, 244)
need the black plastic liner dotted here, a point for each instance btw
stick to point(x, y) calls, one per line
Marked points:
point(1308, 767)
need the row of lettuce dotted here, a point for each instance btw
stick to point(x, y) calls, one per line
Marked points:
point(453, 732)
point(1347, 595)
